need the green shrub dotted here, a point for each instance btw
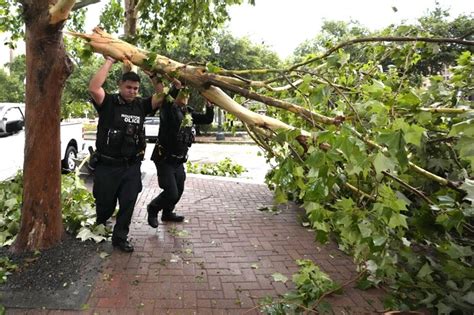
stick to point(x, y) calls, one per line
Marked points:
point(226, 168)
point(77, 209)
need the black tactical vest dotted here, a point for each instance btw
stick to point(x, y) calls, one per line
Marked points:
point(120, 131)
point(173, 136)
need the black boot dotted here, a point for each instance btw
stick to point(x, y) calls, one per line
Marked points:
point(123, 245)
point(171, 217)
point(152, 216)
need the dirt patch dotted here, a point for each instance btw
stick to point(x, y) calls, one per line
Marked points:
point(58, 278)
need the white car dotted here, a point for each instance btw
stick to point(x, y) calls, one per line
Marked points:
point(12, 118)
point(12, 140)
point(152, 126)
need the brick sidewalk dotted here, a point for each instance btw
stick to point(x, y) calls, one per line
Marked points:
point(219, 261)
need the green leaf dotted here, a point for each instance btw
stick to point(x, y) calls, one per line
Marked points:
point(465, 145)
point(469, 297)
point(398, 219)
point(443, 308)
point(298, 171)
point(395, 143)
point(400, 124)
point(11, 203)
point(278, 277)
point(455, 251)
point(365, 228)
point(86, 234)
point(468, 187)
point(280, 196)
point(103, 255)
point(383, 163)
point(408, 99)
point(466, 127)
point(379, 240)
point(376, 89)
point(425, 271)
point(320, 95)
point(371, 266)
point(424, 118)
point(413, 134)
point(429, 299)
point(211, 68)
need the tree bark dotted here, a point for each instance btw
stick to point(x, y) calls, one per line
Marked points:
point(130, 28)
point(47, 68)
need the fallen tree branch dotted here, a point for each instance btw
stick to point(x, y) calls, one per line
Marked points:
point(418, 169)
point(307, 114)
point(83, 3)
point(60, 11)
point(384, 39)
point(447, 110)
point(409, 187)
point(209, 86)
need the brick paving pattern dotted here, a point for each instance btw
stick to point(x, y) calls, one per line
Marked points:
point(221, 260)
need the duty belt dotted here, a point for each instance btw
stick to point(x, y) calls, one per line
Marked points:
point(173, 158)
point(178, 156)
point(109, 160)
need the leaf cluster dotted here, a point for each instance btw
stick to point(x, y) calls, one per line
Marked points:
point(311, 284)
point(226, 168)
point(76, 201)
point(394, 182)
point(12, 83)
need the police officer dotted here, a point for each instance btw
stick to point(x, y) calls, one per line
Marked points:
point(120, 147)
point(175, 136)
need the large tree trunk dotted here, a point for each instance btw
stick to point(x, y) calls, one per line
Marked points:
point(130, 28)
point(47, 68)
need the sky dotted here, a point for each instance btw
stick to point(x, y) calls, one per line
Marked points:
point(284, 24)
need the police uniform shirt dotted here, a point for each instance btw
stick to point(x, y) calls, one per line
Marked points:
point(171, 117)
point(120, 125)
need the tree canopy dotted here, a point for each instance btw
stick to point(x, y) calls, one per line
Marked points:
point(12, 86)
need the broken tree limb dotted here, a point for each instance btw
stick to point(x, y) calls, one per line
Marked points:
point(459, 41)
point(103, 43)
point(310, 116)
point(198, 78)
point(60, 11)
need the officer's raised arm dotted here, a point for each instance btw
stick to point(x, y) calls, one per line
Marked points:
point(159, 96)
point(95, 84)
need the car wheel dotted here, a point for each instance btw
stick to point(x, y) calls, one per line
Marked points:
point(68, 163)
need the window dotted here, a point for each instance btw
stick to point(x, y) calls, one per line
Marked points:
point(13, 114)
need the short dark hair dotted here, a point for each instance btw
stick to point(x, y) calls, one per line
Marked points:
point(130, 76)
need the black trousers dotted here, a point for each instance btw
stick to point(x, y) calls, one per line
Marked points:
point(171, 177)
point(114, 183)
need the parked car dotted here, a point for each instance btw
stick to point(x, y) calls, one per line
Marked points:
point(12, 140)
point(11, 118)
point(152, 125)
